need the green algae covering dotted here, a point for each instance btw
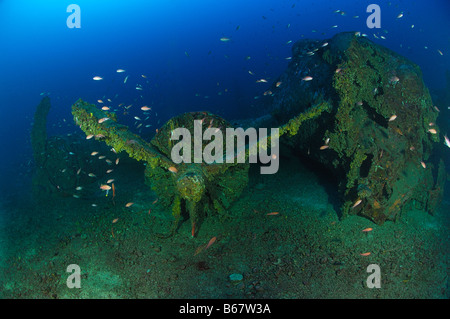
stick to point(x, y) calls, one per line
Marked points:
point(201, 188)
point(87, 116)
point(376, 132)
point(197, 188)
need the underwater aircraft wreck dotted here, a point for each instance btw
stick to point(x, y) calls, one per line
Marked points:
point(196, 187)
point(373, 124)
point(357, 108)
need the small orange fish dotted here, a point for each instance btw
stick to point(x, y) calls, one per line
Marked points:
point(365, 254)
point(110, 181)
point(324, 147)
point(145, 108)
point(198, 250)
point(173, 169)
point(103, 120)
point(105, 187)
point(211, 241)
point(273, 213)
point(155, 201)
point(94, 153)
point(398, 130)
point(394, 79)
point(357, 203)
point(307, 78)
point(129, 204)
point(392, 118)
point(105, 108)
point(115, 220)
point(423, 164)
point(432, 131)
point(117, 161)
point(109, 171)
point(367, 229)
point(278, 84)
point(89, 136)
point(193, 230)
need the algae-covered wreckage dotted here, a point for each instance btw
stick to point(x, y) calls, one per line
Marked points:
point(356, 107)
point(197, 188)
point(377, 131)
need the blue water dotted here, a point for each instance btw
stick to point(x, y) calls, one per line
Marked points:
point(176, 44)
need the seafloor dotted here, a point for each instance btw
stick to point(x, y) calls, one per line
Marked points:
point(305, 251)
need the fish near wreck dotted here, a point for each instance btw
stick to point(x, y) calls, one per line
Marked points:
point(199, 189)
point(61, 163)
point(377, 124)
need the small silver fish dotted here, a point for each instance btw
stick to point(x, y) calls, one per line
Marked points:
point(446, 141)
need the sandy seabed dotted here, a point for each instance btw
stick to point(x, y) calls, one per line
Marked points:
point(304, 251)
